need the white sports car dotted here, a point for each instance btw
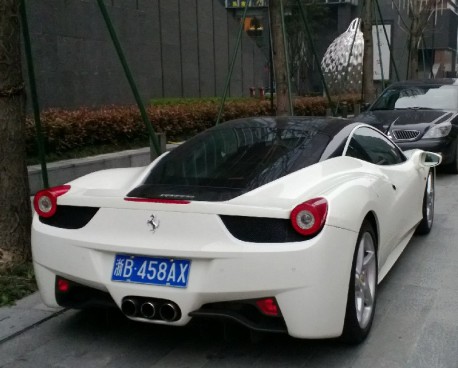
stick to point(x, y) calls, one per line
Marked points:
point(282, 224)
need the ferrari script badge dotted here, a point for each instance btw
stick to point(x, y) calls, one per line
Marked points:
point(153, 222)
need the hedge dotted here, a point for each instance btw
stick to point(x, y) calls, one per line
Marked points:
point(69, 130)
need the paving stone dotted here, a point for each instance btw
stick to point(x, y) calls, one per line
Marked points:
point(25, 313)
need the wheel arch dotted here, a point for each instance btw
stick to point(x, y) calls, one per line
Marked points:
point(371, 217)
point(354, 331)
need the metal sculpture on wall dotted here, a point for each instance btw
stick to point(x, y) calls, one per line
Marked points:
point(342, 63)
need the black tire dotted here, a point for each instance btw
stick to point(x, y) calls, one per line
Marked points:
point(426, 223)
point(358, 324)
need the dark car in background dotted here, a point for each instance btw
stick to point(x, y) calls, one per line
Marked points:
point(419, 114)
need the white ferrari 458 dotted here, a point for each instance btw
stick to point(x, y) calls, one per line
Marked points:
point(282, 224)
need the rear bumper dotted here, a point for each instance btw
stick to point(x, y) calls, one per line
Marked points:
point(309, 279)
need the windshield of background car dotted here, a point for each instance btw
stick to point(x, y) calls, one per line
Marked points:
point(223, 163)
point(418, 97)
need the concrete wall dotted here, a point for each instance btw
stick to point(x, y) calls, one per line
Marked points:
point(175, 48)
point(445, 31)
point(62, 172)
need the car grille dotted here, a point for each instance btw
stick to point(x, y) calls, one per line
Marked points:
point(405, 135)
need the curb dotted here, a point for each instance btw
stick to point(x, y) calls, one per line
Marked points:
point(62, 172)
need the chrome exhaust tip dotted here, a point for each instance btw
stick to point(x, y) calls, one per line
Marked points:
point(148, 310)
point(129, 307)
point(169, 312)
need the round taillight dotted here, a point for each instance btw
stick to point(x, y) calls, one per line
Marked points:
point(46, 205)
point(309, 217)
point(45, 201)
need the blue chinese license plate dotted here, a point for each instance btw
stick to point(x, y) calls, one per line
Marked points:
point(150, 270)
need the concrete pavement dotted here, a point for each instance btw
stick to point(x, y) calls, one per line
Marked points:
point(26, 313)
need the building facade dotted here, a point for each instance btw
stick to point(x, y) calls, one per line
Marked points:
point(175, 48)
point(182, 48)
point(437, 55)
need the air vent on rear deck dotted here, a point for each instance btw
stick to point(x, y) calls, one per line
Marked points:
point(261, 229)
point(70, 217)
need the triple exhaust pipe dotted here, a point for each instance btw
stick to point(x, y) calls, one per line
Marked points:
point(162, 310)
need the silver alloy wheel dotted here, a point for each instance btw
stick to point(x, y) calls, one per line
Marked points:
point(430, 200)
point(365, 279)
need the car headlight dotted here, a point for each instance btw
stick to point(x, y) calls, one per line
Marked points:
point(439, 131)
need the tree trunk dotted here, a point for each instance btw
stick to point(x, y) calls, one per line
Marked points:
point(281, 86)
point(368, 56)
point(15, 215)
point(415, 33)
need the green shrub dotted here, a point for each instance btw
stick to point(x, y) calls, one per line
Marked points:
point(119, 126)
point(192, 100)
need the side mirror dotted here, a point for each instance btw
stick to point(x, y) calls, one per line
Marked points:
point(426, 159)
point(430, 159)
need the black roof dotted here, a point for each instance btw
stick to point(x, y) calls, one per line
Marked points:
point(227, 161)
point(329, 126)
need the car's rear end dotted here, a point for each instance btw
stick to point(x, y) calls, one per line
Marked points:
point(195, 260)
point(247, 240)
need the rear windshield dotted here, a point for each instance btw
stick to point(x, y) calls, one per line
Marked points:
point(223, 163)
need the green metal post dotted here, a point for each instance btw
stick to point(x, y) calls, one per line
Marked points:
point(433, 50)
point(409, 48)
point(231, 68)
point(154, 143)
point(282, 14)
point(315, 56)
point(349, 55)
point(423, 53)
point(271, 68)
point(33, 94)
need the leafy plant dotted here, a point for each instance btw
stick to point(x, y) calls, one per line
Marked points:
point(16, 282)
point(117, 127)
point(192, 100)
